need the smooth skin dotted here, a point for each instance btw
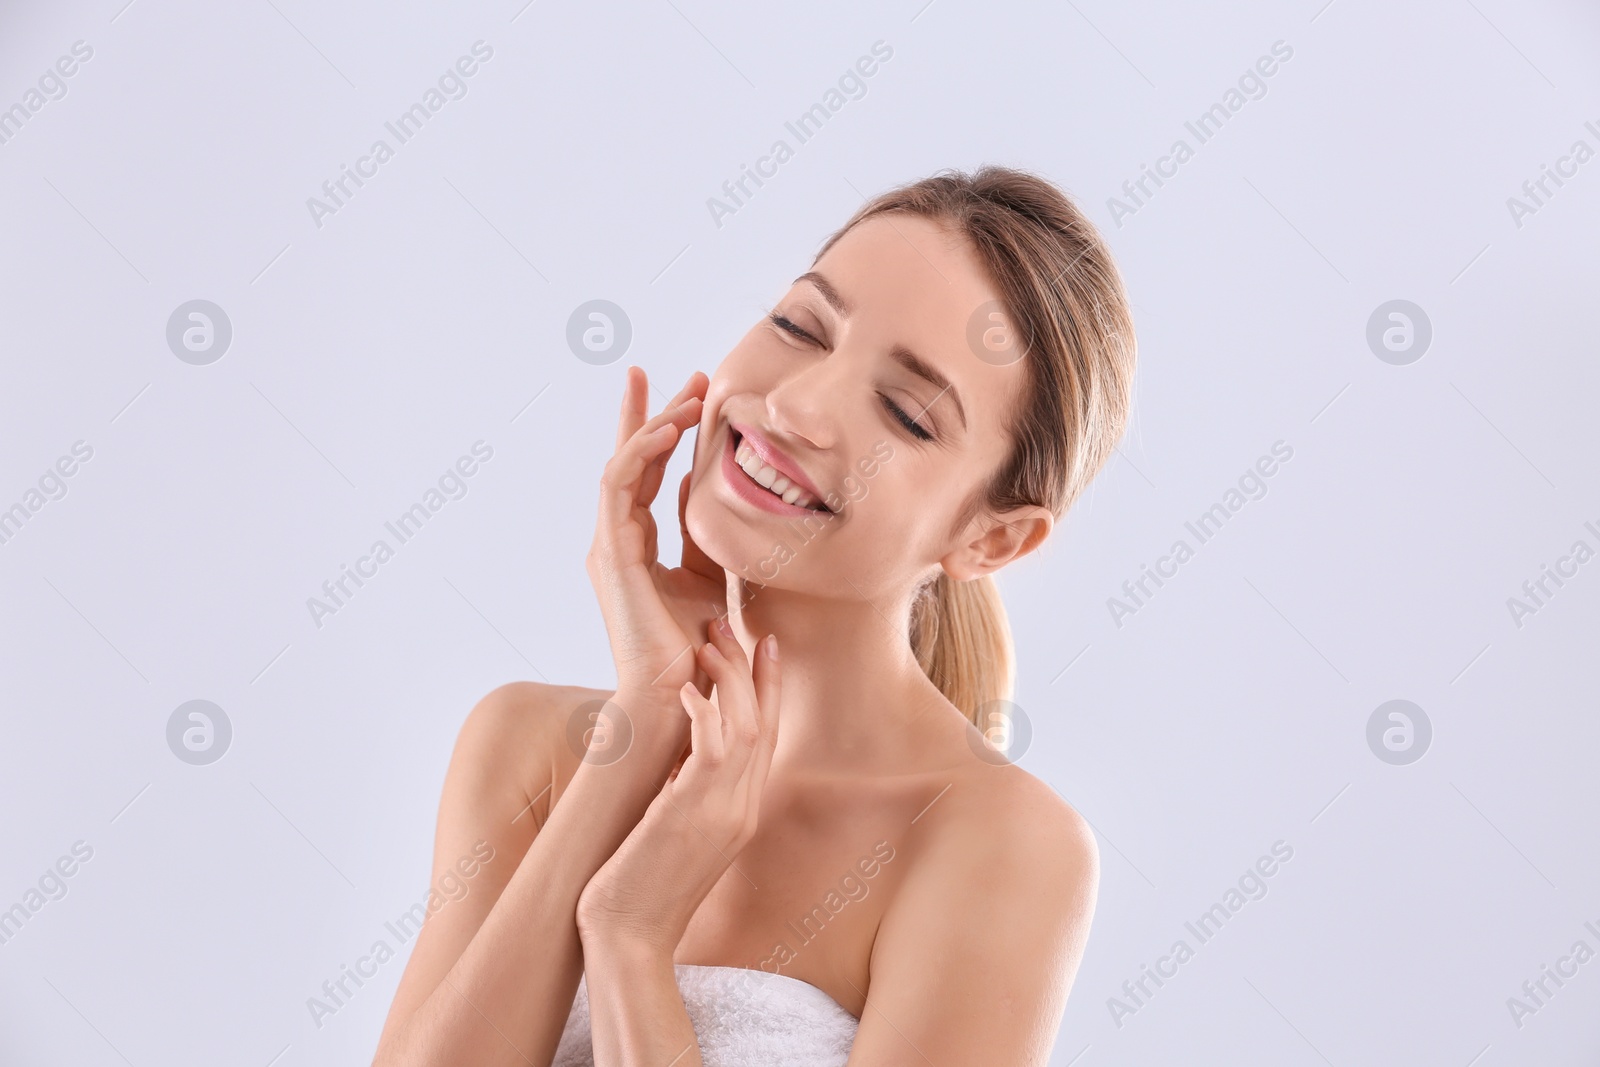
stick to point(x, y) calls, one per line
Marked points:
point(729, 822)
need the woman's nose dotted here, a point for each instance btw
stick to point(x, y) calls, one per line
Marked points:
point(812, 401)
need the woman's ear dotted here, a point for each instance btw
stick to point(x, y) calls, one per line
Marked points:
point(999, 540)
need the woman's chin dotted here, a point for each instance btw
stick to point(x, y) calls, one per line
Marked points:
point(728, 543)
point(737, 547)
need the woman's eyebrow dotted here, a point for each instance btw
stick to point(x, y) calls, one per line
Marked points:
point(909, 360)
point(829, 293)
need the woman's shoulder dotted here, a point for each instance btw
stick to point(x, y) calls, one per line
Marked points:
point(998, 840)
point(1000, 818)
point(984, 807)
point(521, 712)
point(521, 733)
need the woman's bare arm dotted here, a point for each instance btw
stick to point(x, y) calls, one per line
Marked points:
point(493, 983)
point(493, 974)
point(637, 1010)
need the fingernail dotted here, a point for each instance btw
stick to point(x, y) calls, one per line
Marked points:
point(711, 649)
point(772, 646)
point(722, 624)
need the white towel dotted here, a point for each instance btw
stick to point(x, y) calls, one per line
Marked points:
point(742, 1017)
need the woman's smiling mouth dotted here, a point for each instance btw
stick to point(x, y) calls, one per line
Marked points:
point(763, 484)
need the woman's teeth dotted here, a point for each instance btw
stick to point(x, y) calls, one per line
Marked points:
point(773, 482)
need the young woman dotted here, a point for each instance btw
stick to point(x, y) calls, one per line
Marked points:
point(858, 876)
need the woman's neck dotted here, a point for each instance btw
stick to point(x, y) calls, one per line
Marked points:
point(854, 697)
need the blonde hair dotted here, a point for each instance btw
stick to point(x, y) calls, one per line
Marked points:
point(1065, 300)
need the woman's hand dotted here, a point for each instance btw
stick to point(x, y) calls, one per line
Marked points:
point(650, 610)
point(642, 899)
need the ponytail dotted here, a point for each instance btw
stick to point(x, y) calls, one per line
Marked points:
point(962, 642)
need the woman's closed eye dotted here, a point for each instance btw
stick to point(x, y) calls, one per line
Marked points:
point(913, 427)
point(786, 324)
point(896, 412)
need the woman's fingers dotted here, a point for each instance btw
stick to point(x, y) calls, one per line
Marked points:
point(636, 401)
point(688, 414)
point(644, 494)
point(675, 409)
point(633, 475)
point(746, 798)
point(634, 410)
point(705, 729)
point(620, 481)
point(638, 465)
point(722, 795)
point(768, 693)
point(724, 661)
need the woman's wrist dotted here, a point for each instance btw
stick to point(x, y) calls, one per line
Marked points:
point(630, 927)
point(652, 717)
point(621, 949)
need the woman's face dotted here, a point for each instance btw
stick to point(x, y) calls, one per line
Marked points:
point(865, 398)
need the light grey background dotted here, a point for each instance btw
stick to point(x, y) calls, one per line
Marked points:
point(369, 353)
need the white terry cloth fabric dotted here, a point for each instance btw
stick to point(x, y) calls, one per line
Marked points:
point(742, 1017)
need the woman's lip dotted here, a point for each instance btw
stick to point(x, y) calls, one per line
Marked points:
point(749, 490)
point(772, 457)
